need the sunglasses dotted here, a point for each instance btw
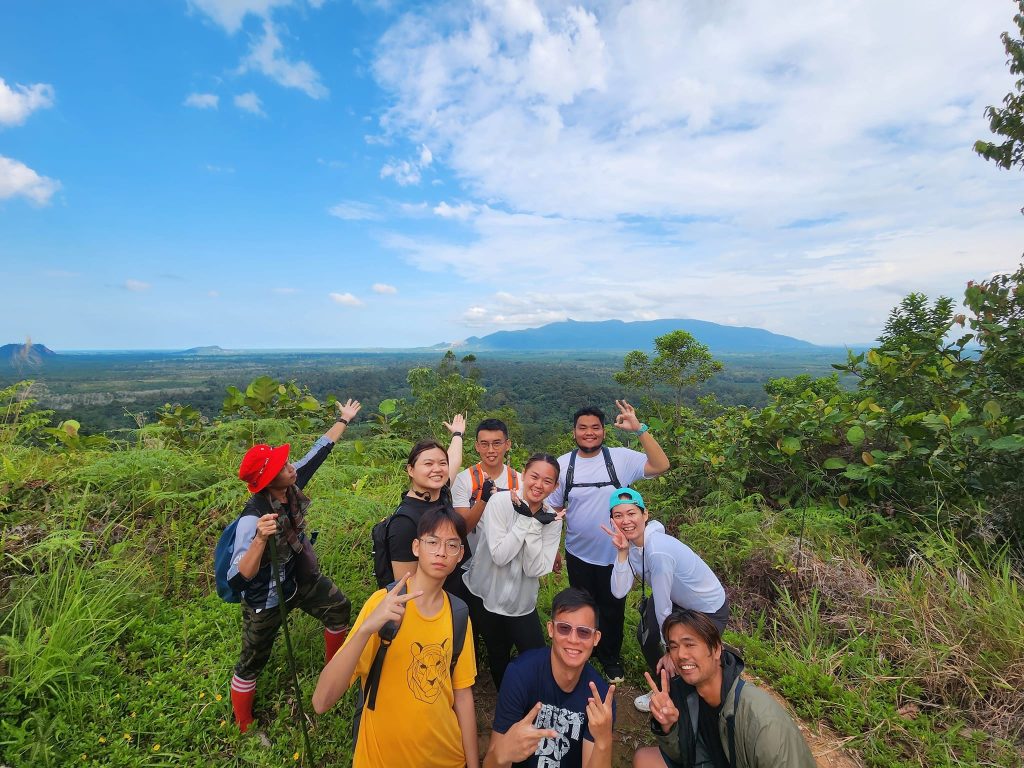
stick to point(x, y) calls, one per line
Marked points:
point(564, 629)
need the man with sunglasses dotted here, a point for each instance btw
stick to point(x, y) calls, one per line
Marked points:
point(554, 710)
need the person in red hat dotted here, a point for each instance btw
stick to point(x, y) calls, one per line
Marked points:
point(276, 515)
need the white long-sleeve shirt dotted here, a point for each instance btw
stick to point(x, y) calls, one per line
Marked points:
point(513, 551)
point(675, 573)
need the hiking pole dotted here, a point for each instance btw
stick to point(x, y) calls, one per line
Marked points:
point(288, 647)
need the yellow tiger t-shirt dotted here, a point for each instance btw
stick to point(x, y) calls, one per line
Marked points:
point(414, 723)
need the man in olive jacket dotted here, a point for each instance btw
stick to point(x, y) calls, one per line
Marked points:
point(726, 722)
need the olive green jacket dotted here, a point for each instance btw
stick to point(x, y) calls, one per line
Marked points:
point(765, 734)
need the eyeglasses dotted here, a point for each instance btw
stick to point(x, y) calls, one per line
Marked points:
point(495, 444)
point(564, 629)
point(449, 546)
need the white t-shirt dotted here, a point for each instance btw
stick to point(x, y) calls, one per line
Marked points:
point(675, 573)
point(587, 510)
point(462, 488)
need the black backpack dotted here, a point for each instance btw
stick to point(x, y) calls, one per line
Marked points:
point(613, 479)
point(381, 551)
point(366, 698)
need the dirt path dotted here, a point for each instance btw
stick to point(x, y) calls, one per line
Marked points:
point(632, 731)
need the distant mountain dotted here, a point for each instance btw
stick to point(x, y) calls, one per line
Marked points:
point(211, 350)
point(20, 354)
point(619, 335)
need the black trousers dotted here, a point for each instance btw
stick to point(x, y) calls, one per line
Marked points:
point(503, 633)
point(597, 580)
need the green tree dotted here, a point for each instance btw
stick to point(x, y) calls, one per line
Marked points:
point(438, 394)
point(680, 363)
point(1008, 120)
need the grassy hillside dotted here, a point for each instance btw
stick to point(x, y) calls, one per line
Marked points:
point(115, 651)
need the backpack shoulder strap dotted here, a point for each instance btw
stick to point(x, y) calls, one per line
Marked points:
point(513, 479)
point(610, 466)
point(730, 722)
point(387, 634)
point(568, 477)
point(476, 478)
point(460, 624)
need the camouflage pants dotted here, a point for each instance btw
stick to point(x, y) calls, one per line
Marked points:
point(321, 599)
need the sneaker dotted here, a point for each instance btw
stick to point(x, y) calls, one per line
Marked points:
point(615, 673)
point(643, 703)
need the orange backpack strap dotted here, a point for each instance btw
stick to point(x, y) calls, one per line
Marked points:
point(476, 472)
point(513, 479)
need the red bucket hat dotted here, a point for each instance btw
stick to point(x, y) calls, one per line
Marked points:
point(261, 464)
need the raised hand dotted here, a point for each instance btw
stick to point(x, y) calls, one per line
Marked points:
point(663, 709)
point(392, 607)
point(618, 539)
point(349, 410)
point(600, 715)
point(458, 424)
point(522, 739)
point(627, 419)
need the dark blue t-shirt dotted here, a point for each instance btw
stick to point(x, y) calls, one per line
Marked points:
point(528, 680)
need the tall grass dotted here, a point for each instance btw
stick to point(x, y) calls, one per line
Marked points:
point(63, 616)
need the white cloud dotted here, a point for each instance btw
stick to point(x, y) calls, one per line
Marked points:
point(266, 55)
point(213, 294)
point(353, 210)
point(18, 180)
point(218, 169)
point(346, 299)
point(462, 211)
point(17, 103)
point(135, 286)
point(202, 100)
point(402, 171)
point(408, 172)
point(230, 14)
point(250, 102)
point(384, 288)
point(796, 168)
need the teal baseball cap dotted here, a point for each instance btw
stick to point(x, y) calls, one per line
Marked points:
point(626, 496)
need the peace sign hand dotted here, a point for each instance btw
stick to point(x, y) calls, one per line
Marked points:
point(522, 739)
point(627, 419)
point(392, 607)
point(618, 539)
point(600, 715)
point(663, 709)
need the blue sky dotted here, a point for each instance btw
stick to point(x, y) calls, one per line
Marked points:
point(339, 173)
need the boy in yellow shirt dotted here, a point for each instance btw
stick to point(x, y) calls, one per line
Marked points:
point(424, 714)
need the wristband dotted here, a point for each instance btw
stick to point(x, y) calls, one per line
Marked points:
point(343, 420)
point(643, 428)
point(456, 434)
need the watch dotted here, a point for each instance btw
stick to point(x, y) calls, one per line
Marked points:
point(643, 428)
point(343, 420)
point(456, 434)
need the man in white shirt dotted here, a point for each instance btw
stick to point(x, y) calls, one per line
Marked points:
point(474, 485)
point(589, 475)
